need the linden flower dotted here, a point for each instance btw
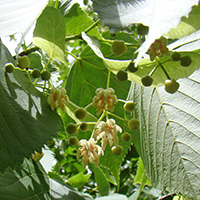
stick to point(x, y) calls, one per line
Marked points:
point(107, 131)
point(158, 48)
point(58, 99)
point(104, 100)
point(90, 151)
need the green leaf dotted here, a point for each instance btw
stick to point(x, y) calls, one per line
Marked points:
point(85, 76)
point(187, 26)
point(19, 15)
point(101, 180)
point(140, 173)
point(27, 121)
point(169, 135)
point(49, 33)
point(78, 180)
point(120, 14)
point(77, 20)
point(145, 66)
point(27, 181)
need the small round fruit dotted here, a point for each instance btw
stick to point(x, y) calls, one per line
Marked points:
point(73, 140)
point(45, 75)
point(171, 86)
point(117, 150)
point(147, 80)
point(185, 61)
point(9, 67)
point(126, 137)
point(71, 128)
point(118, 47)
point(176, 56)
point(132, 68)
point(23, 62)
point(37, 156)
point(142, 30)
point(129, 106)
point(84, 126)
point(80, 113)
point(35, 73)
point(122, 75)
point(133, 124)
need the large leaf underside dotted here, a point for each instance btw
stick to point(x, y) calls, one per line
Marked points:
point(170, 135)
point(26, 120)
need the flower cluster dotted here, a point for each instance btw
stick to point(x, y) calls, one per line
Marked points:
point(58, 99)
point(158, 48)
point(90, 151)
point(104, 100)
point(107, 132)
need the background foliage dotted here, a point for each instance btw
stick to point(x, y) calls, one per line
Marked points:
point(73, 43)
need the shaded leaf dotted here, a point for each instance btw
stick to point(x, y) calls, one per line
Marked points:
point(169, 135)
point(85, 76)
point(27, 181)
point(27, 121)
point(19, 15)
point(49, 33)
point(101, 180)
point(158, 15)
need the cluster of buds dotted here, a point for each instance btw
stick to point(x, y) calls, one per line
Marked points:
point(58, 99)
point(104, 100)
point(90, 151)
point(158, 48)
point(107, 132)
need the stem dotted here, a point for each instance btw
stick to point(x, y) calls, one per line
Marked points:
point(29, 76)
point(72, 55)
point(92, 26)
point(121, 100)
point(109, 113)
point(86, 107)
point(56, 4)
point(108, 80)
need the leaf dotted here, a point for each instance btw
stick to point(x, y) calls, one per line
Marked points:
point(187, 43)
point(140, 173)
point(101, 180)
point(114, 196)
point(78, 180)
point(158, 15)
point(27, 121)
point(77, 21)
point(93, 43)
point(63, 191)
point(27, 181)
point(169, 135)
point(187, 26)
point(19, 15)
point(85, 76)
point(49, 33)
point(145, 66)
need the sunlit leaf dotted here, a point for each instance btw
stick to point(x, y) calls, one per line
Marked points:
point(18, 16)
point(49, 33)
